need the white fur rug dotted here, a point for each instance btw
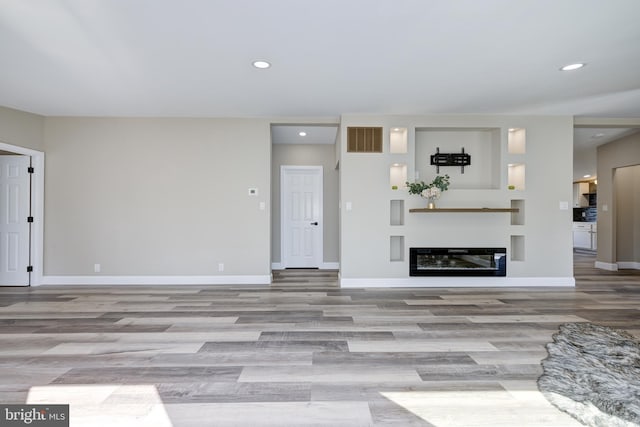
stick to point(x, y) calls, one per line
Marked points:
point(593, 373)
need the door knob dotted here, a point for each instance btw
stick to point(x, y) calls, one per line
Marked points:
point(314, 223)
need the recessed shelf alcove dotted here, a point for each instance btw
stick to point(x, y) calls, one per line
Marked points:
point(396, 248)
point(517, 217)
point(516, 176)
point(398, 141)
point(396, 212)
point(397, 176)
point(517, 248)
point(483, 145)
point(516, 140)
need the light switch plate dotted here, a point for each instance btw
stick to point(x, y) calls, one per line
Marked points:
point(564, 206)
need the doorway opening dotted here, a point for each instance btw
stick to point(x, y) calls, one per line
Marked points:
point(300, 147)
point(21, 223)
point(605, 208)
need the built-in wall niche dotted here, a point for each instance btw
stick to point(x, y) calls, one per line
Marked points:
point(483, 145)
point(398, 141)
point(396, 248)
point(396, 212)
point(517, 248)
point(517, 217)
point(516, 141)
point(397, 176)
point(516, 176)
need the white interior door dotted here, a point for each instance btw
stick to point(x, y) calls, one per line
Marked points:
point(301, 211)
point(14, 227)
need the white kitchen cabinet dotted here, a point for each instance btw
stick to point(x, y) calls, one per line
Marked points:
point(584, 236)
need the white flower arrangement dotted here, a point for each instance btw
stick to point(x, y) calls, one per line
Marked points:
point(431, 193)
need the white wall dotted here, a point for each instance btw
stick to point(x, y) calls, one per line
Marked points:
point(366, 230)
point(307, 155)
point(157, 197)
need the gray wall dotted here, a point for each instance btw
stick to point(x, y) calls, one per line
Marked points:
point(163, 197)
point(307, 155)
point(611, 157)
point(22, 129)
point(156, 196)
point(626, 183)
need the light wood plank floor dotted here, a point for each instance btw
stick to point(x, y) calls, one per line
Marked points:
point(300, 352)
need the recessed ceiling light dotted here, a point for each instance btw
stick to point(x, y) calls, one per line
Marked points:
point(396, 129)
point(572, 67)
point(586, 176)
point(598, 135)
point(261, 64)
point(302, 133)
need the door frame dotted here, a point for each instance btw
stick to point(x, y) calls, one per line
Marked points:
point(284, 169)
point(37, 208)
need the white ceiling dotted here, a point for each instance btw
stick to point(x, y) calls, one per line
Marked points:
point(591, 138)
point(585, 145)
point(314, 134)
point(193, 57)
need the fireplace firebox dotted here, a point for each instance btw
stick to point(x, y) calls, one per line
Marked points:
point(457, 262)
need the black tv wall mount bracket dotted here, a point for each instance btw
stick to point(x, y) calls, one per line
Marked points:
point(450, 159)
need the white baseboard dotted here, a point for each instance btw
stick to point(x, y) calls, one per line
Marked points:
point(458, 282)
point(629, 265)
point(157, 280)
point(606, 266)
point(426, 282)
point(323, 266)
point(330, 266)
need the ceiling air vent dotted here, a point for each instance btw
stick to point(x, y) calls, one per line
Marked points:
point(364, 140)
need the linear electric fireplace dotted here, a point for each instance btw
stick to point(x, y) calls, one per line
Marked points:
point(457, 262)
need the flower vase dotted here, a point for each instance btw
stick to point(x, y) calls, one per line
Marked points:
point(431, 204)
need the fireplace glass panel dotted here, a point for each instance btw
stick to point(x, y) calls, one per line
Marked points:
point(457, 262)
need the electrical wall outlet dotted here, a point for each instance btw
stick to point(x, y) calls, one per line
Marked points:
point(96, 268)
point(221, 266)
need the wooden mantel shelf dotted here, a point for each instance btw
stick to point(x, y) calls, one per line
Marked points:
point(438, 210)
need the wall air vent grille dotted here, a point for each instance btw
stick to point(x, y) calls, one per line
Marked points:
point(364, 140)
